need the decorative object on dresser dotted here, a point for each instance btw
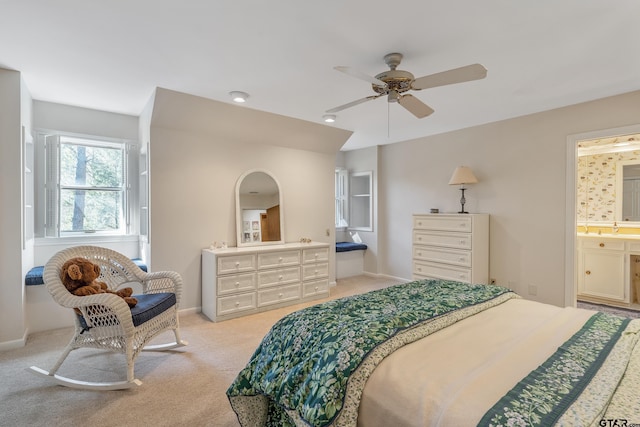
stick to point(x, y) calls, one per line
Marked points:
point(451, 247)
point(461, 176)
point(246, 280)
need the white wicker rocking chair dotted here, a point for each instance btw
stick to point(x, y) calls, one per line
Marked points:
point(106, 321)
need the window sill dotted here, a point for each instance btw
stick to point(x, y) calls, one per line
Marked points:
point(85, 240)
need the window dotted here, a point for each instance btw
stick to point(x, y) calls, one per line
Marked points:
point(342, 190)
point(85, 186)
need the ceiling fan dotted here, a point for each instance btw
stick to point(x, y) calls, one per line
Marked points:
point(394, 83)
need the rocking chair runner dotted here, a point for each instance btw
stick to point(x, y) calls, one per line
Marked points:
point(106, 321)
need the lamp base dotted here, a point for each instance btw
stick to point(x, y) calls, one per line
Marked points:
point(462, 202)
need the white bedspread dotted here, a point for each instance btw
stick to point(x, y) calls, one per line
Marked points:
point(452, 377)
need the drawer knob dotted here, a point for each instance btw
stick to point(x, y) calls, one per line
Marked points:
point(280, 295)
point(237, 284)
point(601, 245)
point(316, 288)
point(588, 272)
point(237, 303)
point(461, 275)
point(280, 277)
point(462, 224)
point(237, 263)
point(280, 259)
point(419, 269)
point(461, 259)
point(462, 242)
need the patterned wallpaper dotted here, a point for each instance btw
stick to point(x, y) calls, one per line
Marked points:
point(596, 187)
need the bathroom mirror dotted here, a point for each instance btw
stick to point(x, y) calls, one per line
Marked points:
point(628, 191)
point(258, 209)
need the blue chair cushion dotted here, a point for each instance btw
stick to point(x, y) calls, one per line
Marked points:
point(148, 307)
point(349, 246)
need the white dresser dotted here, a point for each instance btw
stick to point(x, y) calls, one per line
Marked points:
point(451, 247)
point(247, 280)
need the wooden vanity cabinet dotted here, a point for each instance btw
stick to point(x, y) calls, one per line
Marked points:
point(603, 273)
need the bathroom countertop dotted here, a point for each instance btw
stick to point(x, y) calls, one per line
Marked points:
point(620, 236)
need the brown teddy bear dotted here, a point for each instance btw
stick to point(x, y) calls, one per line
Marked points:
point(79, 277)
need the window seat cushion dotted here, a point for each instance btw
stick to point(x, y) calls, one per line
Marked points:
point(350, 246)
point(34, 276)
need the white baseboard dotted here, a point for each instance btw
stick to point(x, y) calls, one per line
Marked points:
point(10, 345)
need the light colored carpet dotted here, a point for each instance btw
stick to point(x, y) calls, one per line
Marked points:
point(182, 387)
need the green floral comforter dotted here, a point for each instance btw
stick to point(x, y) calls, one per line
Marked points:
point(310, 369)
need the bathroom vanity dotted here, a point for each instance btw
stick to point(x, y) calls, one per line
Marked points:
point(608, 268)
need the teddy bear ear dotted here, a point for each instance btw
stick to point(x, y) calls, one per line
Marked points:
point(96, 268)
point(74, 272)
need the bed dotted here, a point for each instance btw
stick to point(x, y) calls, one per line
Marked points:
point(445, 353)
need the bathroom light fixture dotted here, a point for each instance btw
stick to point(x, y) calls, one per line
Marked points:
point(238, 96)
point(461, 176)
point(329, 118)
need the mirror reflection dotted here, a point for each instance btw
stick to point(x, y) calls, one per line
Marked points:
point(258, 203)
point(631, 192)
point(605, 190)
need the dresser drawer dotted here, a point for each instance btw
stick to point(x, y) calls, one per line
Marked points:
point(315, 287)
point(236, 303)
point(236, 263)
point(448, 256)
point(315, 271)
point(444, 223)
point(278, 259)
point(445, 240)
point(278, 276)
point(236, 283)
point(615, 245)
point(441, 271)
point(278, 295)
point(313, 255)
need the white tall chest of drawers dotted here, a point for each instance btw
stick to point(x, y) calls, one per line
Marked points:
point(246, 280)
point(451, 247)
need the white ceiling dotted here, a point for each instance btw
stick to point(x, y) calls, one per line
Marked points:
point(540, 55)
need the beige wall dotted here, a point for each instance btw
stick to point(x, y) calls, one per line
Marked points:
point(193, 177)
point(521, 165)
point(12, 327)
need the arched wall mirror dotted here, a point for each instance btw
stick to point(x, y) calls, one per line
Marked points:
point(258, 209)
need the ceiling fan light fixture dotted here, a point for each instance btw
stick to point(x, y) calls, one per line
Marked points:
point(239, 97)
point(393, 96)
point(329, 118)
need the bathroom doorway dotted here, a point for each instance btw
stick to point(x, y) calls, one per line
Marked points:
point(596, 207)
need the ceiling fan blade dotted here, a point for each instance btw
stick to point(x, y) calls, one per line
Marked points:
point(353, 103)
point(360, 75)
point(415, 106)
point(456, 75)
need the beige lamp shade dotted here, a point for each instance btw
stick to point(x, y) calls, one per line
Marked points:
point(463, 175)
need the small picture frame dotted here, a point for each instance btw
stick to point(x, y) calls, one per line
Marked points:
point(246, 226)
point(255, 225)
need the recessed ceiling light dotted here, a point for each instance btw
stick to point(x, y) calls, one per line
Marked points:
point(329, 118)
point(238, 96)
